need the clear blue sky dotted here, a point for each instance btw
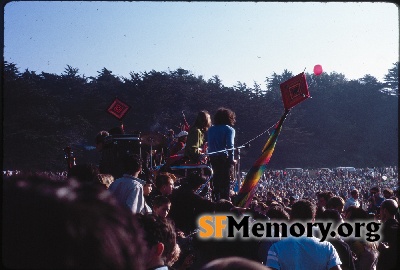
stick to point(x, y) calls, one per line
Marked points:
point(240, 41)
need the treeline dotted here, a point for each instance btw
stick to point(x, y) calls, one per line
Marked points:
point(345, 123)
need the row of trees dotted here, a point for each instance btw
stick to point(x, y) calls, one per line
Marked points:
point(345, 123)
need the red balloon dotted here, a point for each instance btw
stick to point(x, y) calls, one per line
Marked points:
point(317, 70)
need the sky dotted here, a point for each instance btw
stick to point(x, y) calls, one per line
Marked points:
point(238, 41)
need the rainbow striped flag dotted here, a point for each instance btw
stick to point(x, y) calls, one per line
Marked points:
point(248, 188)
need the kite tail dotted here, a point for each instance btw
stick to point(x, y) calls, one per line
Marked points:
point(247, 190)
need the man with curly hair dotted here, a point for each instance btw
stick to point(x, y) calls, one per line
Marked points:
point(221, 138)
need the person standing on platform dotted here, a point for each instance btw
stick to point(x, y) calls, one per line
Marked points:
point(195, 138)
point(179, 145)
point(221, 137)
point(170, 141)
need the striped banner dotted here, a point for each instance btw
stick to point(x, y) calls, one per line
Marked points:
point(248, 188)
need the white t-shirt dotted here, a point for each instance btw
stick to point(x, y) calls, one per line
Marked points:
point(129, 192)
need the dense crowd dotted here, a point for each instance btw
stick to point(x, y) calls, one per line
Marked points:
point(165, 210)
point(308, 183)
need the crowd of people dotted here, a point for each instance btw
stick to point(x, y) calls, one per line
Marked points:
point(285, 184)
point(133, 217)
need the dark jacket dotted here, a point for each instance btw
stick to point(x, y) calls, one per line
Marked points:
point(186, 207)
point(389, 258)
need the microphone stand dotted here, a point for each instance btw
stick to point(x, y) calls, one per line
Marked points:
point(151, 153)
point(238, 176)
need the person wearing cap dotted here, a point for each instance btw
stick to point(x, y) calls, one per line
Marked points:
point(176, 151)
point(179, 145)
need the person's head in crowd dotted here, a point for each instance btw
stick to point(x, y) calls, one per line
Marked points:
point(253, 204)
point(303, 210)
point(171, 133)
point(285, 202)
point(387, 193)
point(323, 198)
point(277, 212)
point(224, 116)
point(348, 210)
point(354, 194)
point(356, 213)
point(333, 216)
point(100, 139)
point(161, 206)
point(165, 183)
point(261, 208)
point(395, 198)
point(132, 164)
point(182, 136)
point(159, 233)
point(270, 196)
point(147, 187)
point(174, 257)
point(193, 181)
point(388, 209)
point(275, 203)
point(292, 200)
point(234, 263)
point(375, 191)
point(224, 206)
point(203, 120)
point(289, 211)
point(50, 224)
point(106, 179)
point(336, 203)
point(85, 173)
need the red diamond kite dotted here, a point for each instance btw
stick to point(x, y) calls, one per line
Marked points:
point(294, 91)
point(118, 108)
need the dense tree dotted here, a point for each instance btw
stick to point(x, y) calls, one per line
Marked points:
point(71, 72)
point(11, 71)
point(345, 123)
point(392, 79)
